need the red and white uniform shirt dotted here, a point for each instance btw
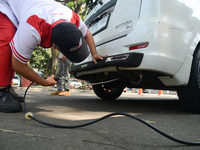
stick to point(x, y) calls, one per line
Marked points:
point(5, 9)
point(34, 21)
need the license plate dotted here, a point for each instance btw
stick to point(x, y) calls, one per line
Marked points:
point(100, 25)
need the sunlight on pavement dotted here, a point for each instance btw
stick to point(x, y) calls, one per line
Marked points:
point(74, 114)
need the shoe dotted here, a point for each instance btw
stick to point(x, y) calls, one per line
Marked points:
point(55, 92)
point(64, 93)
point(8, 104)
point(14, 95)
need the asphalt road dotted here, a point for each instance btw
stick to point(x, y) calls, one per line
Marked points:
point(114, 133)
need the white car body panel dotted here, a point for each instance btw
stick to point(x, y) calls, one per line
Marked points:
point(170, 27)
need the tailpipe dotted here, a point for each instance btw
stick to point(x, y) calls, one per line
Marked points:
point(135, 77)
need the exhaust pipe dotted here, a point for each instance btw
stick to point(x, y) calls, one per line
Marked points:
point(135, 78)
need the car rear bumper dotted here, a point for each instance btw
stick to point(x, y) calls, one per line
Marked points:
point(121, 60)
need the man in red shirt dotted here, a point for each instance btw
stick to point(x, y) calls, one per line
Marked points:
point(26, 24)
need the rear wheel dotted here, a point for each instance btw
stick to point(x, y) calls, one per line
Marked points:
point(190, 94)
point(109, 94)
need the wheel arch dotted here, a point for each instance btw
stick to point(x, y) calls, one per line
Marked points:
point(196, 49)
point(195, 43)
point(181, 78)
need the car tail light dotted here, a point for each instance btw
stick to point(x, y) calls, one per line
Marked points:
point(139, 46)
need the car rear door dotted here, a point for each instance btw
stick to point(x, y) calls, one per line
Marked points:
point(112, 19)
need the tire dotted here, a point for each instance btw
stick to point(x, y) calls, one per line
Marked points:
point(108, 94)
point(190, 94)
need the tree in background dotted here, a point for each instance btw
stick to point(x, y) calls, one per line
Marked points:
point(40, 58)
point(76, 5)
point(80, 7)
point(64, 2)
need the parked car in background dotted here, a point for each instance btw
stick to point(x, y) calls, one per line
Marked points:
point(72, 87)
point(125, 89)
point(89, 86)
point(75, 83)
point(151, 44)
point(16, 81)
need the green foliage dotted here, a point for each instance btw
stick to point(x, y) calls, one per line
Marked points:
point(40, 58)
point(80, 7)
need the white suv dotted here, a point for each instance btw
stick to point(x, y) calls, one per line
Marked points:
point(150, 44)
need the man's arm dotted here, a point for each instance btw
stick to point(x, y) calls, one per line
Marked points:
point(90, 41)
point(30, 74)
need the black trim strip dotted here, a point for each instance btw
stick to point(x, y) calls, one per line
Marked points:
point(120, 60)
point(101, 10)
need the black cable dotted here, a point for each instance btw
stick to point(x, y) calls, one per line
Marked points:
point(25, 96)
point(107, 116)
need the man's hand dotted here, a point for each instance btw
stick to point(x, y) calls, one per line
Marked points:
point(96, 56)
point(50, 80)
